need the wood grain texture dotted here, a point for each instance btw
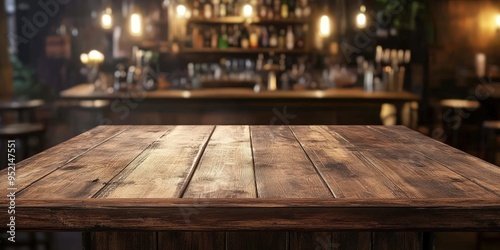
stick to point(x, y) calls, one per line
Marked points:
point(397, 240)
point(468, 166)
point(123, 240)
point(87, 174)
point(226, 168)
point(191, 240)
point(415, 173)
point(279, 160)
point(44, 163)
point(347, 171)
point(257, 214)
point(162, 170)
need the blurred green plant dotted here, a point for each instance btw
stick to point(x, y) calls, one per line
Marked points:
point(27, 85)
point(407, 19)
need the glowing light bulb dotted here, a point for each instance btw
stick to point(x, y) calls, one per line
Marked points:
point(84, 58)
point(361, 18)
point(136, 24)
point(107, 19)
point(247, 10)
point(324, 26)
point(498, 21)
point(181, 10)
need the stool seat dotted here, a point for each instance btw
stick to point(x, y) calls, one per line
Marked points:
point(20, 130)
point(491, 124)
point(459, 103)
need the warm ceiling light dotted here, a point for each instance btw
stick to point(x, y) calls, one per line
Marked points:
point(247, 10)
point(95, 56)
point(181, 10)
point(324, 26)
point(107, 19)
point(361, 18)
point(498, 21)
point(84, 58)
point(136, 24)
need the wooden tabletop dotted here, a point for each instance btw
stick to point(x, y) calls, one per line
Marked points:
point(86, 91)
point(255, 178)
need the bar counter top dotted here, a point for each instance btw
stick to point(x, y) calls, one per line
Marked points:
point(86, 91)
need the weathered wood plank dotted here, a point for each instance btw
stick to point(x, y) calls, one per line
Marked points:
point(123, 240)
point(84, 176)
point(257, 214)
point(416, 174)
point(162, 170)
point(44, 163)
point(282, 168)
point(469, 167)
point(226, 168)
point(397, 240)
point(352, 240)
point(226, 171)
point(265, 240)
point(309, 240)
point(279, 159)
point(191, 240)
point(346, 171)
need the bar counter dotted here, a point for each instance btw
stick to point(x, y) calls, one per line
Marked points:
point(244, 106)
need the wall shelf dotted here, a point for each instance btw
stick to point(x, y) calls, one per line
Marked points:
point(254, 20)
point(243, 51)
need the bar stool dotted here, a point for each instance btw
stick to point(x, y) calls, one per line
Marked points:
point(17, 122)
point(459, 110)
point(489, 144)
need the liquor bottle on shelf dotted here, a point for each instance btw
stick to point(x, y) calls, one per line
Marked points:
point(284, 9)
point(254, 39)
point(261, 7)
point(223, 9)
point(236, 35)
point(299, 38)
point(264, 38)
point(230, 37)
point(291, 7)
point(273, 37)
point(216, 8)
point(207, 38)
point(245, 38)
point(306, 8)
point(290, 38)
point(214, 38)
point(229, 7)
point(196, 9)
point(282, 39)
point(201, 7)
point(277, 9)
point(223, 38)
point(207, 10)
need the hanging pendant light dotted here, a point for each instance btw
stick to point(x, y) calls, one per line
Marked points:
point(361, 17)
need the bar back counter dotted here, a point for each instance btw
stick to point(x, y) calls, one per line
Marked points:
point(243, 106)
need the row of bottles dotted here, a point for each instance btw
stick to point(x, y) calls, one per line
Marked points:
point(240, 36)
point(270, 72)
point(389, 71)
point(142, 73)
point(268, 9)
